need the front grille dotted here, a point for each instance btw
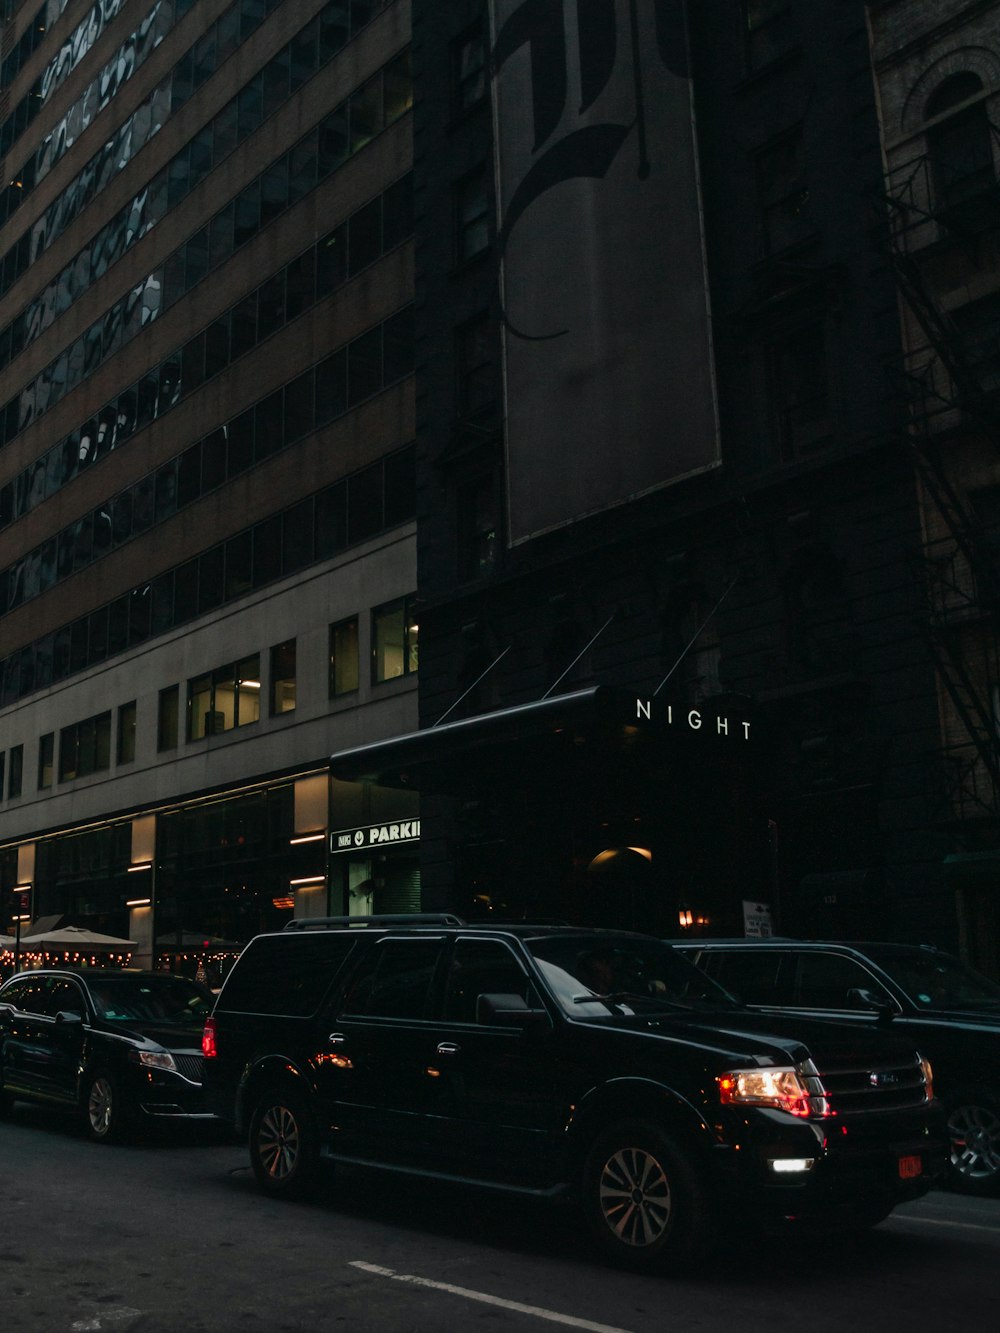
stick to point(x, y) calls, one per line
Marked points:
point(884, 1086)
point(189, 1066)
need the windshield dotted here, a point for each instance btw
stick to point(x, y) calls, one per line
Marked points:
point(165, 999)
point(598, 975)
point(937, 981)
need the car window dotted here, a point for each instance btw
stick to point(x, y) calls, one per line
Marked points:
point(482, 967)
point(149, 999)
point(285, 974)
point(749, 975)
point(395, 980)
point(824, 980)
point(62, 996)
point(628, 970)
point(937, 981)
point(27, 996)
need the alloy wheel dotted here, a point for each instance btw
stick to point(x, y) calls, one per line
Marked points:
point(278, 1142)
point(975, 1142)
point(635, 1197)
point(101, 1106)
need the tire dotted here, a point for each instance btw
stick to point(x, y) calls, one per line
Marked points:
point(974, 1134)
point(284, 1144)
point(104, 1113)
point(646, 1204)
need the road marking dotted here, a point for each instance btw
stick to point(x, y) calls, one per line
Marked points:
point(939, 1222)
point(552, 1315)
point(105, 1319)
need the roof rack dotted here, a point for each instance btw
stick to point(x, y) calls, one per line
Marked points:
point(398, 919)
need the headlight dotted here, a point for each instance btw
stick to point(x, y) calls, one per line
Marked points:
point(157, 1060)
point(784, 1088)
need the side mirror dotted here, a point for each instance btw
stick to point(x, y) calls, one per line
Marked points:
point(68, 1018)
point(507, 1009)
point(861, 997)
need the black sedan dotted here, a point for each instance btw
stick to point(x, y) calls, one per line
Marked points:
point(117, 1047)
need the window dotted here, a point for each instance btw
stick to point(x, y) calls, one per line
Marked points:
point(125, 752)
point(474, 388)
point(798, 389)
point(85, 747)
point(46, 760)
point(472, 229)
point(960, 147)
point(483, 967)
point(783, 194)
point(477, 528)
point(283, 677)
point(225, 698)
point(394, 640)
point(167, 718)
point(344, 657)
point(468, 70)
point(769, 31)
point(825, 980)
point(395, 980)
point(3, 771)
point(978, 324)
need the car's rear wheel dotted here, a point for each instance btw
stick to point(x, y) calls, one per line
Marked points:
point(284, 1144)
point(644, 1200)
point(104, 1110)
point(974, 1132)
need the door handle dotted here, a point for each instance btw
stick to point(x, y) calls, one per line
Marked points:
point(448, 1048)
point(336, 1039)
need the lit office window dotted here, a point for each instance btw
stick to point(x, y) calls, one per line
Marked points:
point(394, 640)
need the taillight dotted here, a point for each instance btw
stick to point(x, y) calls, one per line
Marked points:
point(208, 1047)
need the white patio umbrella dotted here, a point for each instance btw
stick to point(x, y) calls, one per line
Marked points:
point(75, 937)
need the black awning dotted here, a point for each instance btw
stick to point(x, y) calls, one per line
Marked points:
point(600, 730)
point(438, 758)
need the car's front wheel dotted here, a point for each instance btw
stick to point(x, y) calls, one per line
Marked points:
point(284, 1145)
point(104, 1110)
point(974, 1134)
point(644, 1200)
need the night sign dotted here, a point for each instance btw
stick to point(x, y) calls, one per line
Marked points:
point(375, 835)
point(693, 719)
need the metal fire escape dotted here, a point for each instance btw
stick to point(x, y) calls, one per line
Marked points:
point(937, 228)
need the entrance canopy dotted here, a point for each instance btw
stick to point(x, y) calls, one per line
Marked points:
point(596, 729)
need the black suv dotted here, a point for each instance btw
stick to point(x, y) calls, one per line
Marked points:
point(117, 1047)
point(925, 995)
point(558, 1061)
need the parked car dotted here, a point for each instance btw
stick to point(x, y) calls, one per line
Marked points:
point(598, 1066)
point(931, 998)
point(117, 1047)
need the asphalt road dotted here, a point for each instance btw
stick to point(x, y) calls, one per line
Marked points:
point(172, 1235)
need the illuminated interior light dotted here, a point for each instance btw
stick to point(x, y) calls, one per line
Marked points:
point(140, 865)
point(308, 879)
point(139, 902)
point(305, 837)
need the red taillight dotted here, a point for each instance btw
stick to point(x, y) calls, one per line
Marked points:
point(208, 1047)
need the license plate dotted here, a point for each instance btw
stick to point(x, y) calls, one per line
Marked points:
point(911, 1167)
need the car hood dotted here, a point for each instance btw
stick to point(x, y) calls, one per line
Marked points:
point(168, 1035)
point(777, 1037)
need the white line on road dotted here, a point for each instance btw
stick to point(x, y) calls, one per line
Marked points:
point(553, 1316)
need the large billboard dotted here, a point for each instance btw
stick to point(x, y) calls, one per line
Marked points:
point(608, 376)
